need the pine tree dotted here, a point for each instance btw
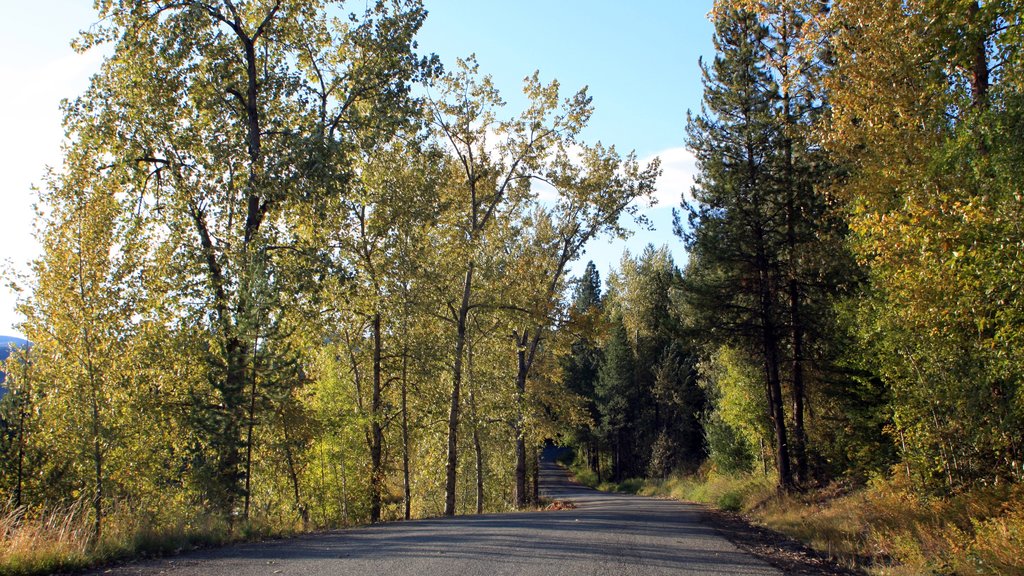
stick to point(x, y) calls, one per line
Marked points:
point(617, 400)
point(736, 233)
point(580, 366)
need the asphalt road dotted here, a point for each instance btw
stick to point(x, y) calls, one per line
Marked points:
point(607, 534)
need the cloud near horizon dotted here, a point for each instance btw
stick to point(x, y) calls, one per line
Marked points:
point(678, 169)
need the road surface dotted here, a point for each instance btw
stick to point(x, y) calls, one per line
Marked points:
point(607, 534)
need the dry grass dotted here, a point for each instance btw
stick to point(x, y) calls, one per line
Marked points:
point(60, 539)
point(884, 528)
point(55, 540)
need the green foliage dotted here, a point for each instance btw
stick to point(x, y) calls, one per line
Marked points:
point(737, 432)
point(616, 400)
point(639, 380)
point(279, 291)
point(733, 492)
point(929, 205)
point(727, 450)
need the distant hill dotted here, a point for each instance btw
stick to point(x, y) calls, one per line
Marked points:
point(7, 343)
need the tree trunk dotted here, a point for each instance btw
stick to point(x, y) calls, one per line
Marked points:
point(376, 433)
point(344, 490)
point(21, 452)
point(479, 459)
point(406, 487)
point(477, 448)
point(97, 451)
point(775, 406)
point(293, 475)
point(527, 351)
point(795, 316)
point(799, 434)
point(248, 440)
point(978, 38)
point(461, 321)
point(520, 484)
point(536, 475)
point(97, 498)
point(773, 384)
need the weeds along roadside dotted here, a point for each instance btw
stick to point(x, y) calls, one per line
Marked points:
point(882, 527)
point(60, 539)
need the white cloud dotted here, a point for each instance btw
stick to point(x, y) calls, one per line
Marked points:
point(678, 167)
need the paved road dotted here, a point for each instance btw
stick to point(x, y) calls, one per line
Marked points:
point(607, 534)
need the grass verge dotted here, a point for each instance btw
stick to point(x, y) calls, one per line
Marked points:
point(881, 528)
point(61, 539)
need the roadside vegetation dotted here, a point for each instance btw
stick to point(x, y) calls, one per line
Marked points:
point(60, 539)
point(884, 527)
point(296, 275)
point(843, 340)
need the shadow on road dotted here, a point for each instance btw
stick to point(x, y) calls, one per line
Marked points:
point(613, 534)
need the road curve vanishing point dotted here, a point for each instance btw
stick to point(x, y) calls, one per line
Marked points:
point(606, 534)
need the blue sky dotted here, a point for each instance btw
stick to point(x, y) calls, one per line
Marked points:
point(638, 58)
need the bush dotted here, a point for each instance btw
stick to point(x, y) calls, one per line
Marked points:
point(662, 456)
point(728, 450)
point(630, 485)
point(585, 476)
point(731, 501)
point(998, 546)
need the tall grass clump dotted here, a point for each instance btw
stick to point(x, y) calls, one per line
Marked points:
point(728, 492)
point(55, 540)
point(61, 538)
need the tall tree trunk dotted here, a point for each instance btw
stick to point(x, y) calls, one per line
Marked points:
point(770, 347)
point(376, 433)
point(97, 451)
point(520, 482)
point(293, 476)
point(344, 490)
point(795, 316)
point(478, 451)
point(525, 354)
point(21, 452)
point(406, 487)
point(798, 393)
point(536, 475)
point(775, 403)
point(479, 461)
point(461, 322)
point(978, 39)
point(248, 437)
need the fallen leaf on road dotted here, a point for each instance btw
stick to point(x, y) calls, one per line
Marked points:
point(561, 505)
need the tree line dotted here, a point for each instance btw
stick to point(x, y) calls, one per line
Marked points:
point(294, 269)
point(849, 307)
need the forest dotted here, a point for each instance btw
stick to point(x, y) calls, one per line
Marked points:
point(296, 274)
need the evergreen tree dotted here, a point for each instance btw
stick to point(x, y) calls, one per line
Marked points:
point(580, 366)
point(736, 233)
point(617, 400)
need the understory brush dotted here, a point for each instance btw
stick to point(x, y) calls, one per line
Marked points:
point(587, 477)
point(884, 527)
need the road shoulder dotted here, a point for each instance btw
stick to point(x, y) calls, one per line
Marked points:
point(782, 552)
